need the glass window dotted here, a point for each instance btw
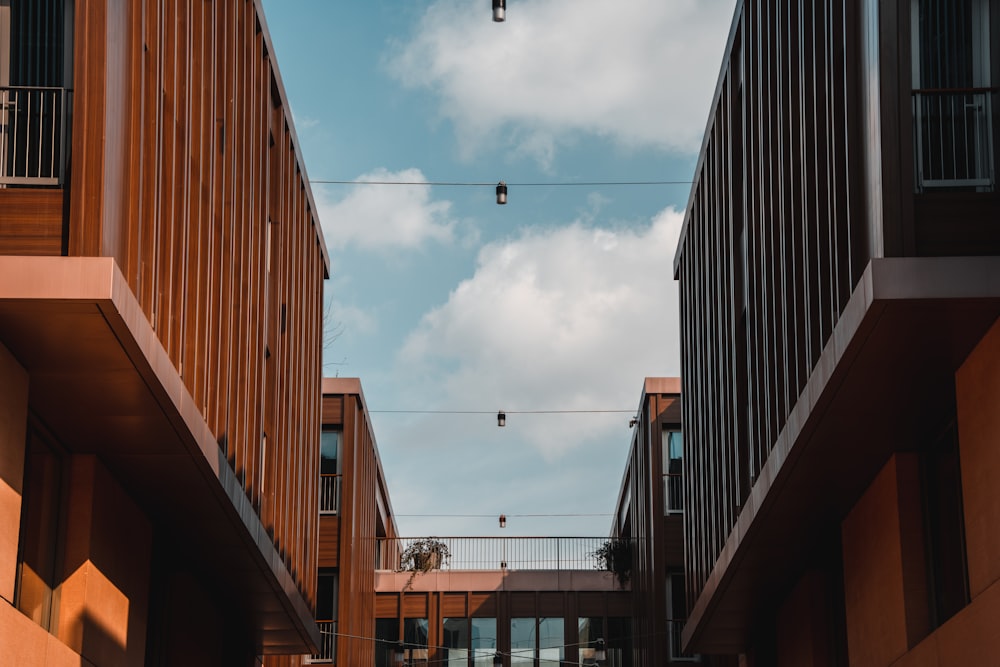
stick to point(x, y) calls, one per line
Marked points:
point(415, 637)
point(551, 642)
point(590, 630)
point(329, 445)
point(386, 638)
point(522, 642)
point(619, 642)
point(484, 641)
point(326, 595)
point(673, 459)
point(455, 639)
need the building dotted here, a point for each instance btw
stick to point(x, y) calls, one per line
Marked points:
point(650, 515)
point(355, 517)
point(524, 599)
point(161, 269)
point(840, 287)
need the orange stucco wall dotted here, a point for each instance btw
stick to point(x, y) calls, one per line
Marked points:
point(103, 595)
point(977, 392)
point(802, 627)
point(885, 616)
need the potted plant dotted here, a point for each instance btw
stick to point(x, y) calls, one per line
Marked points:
point(615, 555)
point(424, 555)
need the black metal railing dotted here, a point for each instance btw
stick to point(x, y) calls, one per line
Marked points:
point(329, 494)
point(953, 137)
point(327, 643)
point(498, 553)
point(673, 493)
point(34, 124)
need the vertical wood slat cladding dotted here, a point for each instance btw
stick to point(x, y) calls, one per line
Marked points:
point(184, 164)
point(356, 524)
point(775, 177)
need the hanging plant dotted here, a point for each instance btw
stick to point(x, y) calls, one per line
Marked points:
point(615, 555)
point(423, 555)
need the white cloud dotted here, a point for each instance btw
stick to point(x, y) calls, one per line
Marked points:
point(385, 217)
point(565, 319)
point(641, 72)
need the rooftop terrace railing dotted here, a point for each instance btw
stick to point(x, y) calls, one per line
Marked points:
point(33, 135)
point(498, 553)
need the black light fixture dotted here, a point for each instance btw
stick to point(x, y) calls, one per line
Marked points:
point(632, 422)
point(501, 419)
point(498, 10)
point(497, 658)
point(503, 520)
point(501, 191)
point(599, 653)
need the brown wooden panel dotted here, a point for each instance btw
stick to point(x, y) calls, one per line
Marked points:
point(551, 603)
point(483, 605)
point(415, 605)
point(454, 605)
point(619, 604)
point(591, 603)
point(333, 410)
point(31, 221)
point(329, 540)
point(522, 605)
point(387, 605)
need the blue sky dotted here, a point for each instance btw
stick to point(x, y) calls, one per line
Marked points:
point(443, 301)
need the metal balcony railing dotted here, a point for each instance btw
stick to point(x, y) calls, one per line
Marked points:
point(673, 493)
point(329, 494)
point(677, 654)
point(327, 644)
point(953, 137)
point(498, 553)
point(34, 124)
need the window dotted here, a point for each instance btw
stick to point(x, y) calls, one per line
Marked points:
point(952, 99)
point(590, 630)
point(542, 639)
point(415, 639)
point(469, 641)
point(329, 471)
point(326, 615)
point(673, 457)
point(619, 642)
point(676, 615)
point(386, 639)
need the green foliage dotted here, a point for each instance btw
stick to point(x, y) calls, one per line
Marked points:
point(615, 555)
point(424, 555)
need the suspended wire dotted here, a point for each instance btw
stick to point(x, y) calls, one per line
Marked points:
point(549, 184)
point(493, 412)
point(512, 652)
point(493, 516)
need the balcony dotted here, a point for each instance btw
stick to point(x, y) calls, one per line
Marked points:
point(504, 553)
point(953, 138)
point(328, 644)
point(329, 493)
point(673, 493)
point(34, 124)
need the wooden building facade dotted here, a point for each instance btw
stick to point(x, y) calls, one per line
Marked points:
point(650, 515)
point(838, 276)
point(161, 271)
